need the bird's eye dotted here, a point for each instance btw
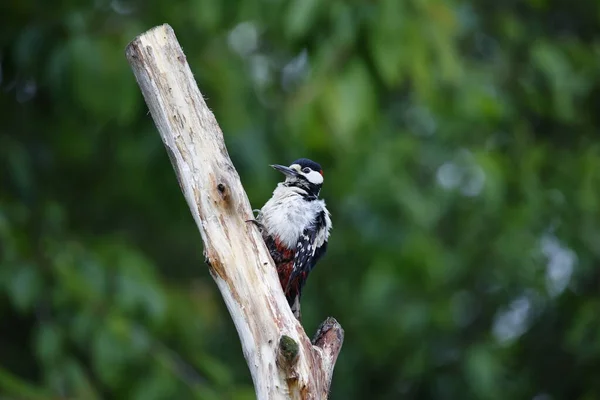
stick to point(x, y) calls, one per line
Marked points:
point(306, 170)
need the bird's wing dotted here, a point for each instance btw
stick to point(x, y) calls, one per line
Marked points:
point(306, 256)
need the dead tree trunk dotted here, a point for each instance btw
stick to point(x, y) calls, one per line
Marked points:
point(283, 362)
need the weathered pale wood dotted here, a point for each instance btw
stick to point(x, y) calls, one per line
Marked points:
point(283, 362)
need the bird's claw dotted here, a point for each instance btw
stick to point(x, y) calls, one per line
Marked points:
point(255, 222)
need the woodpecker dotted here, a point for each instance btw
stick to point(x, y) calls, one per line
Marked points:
point(295, 226)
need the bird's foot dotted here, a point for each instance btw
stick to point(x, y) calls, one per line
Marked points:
point(255, 222)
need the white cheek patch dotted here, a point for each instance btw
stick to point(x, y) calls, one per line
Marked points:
point(314, 177)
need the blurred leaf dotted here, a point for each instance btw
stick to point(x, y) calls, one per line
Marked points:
point(24, 286)
point(101, 79)
point(350, 101)
point(388, 52)
point(13, 386)
point(109, 356)
point(82, 384)
point(300, 17)
point(483, 371)
point(157, 386)
point(49, 344)
point(207, 14)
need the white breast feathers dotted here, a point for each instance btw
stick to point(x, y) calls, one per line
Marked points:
point(287, 214)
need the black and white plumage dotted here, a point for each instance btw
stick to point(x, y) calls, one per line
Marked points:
point(295, 225)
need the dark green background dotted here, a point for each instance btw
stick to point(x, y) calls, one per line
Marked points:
point(460, 143)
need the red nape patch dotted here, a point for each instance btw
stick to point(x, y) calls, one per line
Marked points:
point(321, 172)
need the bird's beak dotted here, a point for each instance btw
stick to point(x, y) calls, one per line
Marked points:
point(287, 171)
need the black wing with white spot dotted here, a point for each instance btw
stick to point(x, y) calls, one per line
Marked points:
point(306, 257)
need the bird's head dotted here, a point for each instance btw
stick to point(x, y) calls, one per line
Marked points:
point(303, 173)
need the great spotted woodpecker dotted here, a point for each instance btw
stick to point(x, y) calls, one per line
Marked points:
point(295, 226)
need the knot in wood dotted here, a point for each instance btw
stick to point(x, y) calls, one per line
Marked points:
point(288, 350)
point(223, 192)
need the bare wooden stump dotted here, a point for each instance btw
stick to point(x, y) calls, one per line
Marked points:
point(283, 362)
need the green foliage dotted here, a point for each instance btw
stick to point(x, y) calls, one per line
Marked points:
point(462, 171)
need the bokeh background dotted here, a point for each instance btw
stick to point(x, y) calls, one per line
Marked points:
point(460, 143)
